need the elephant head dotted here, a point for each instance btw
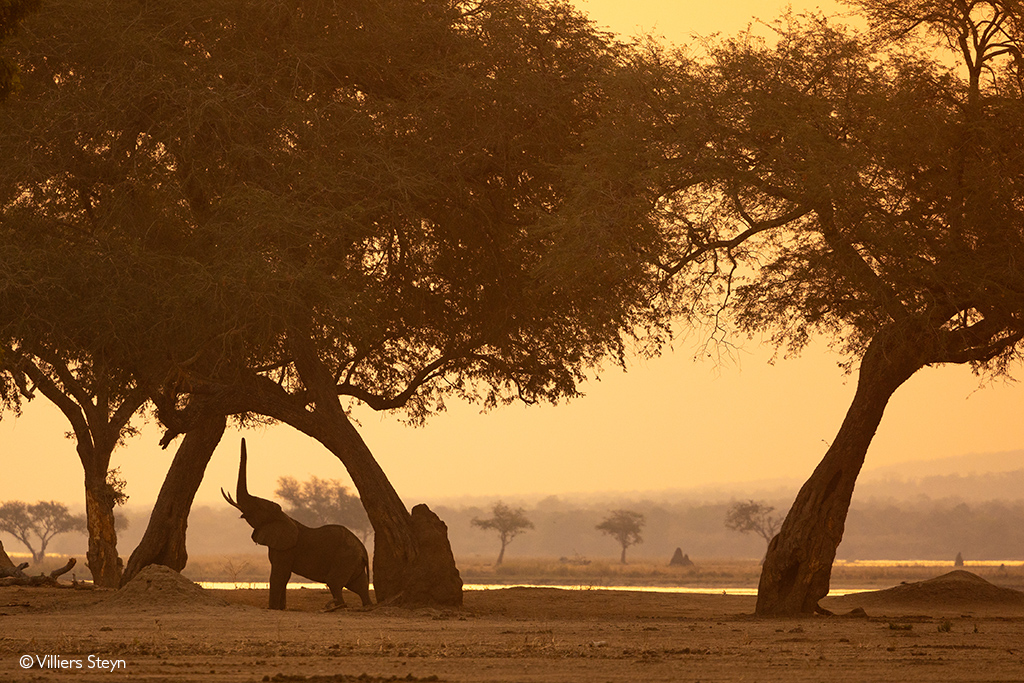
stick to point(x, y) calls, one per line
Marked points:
point(271, 526)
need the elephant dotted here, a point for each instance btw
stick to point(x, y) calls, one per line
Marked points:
point(330, 554)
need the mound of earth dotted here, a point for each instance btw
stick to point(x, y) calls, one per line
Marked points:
point(959, 587)
point(160, 586)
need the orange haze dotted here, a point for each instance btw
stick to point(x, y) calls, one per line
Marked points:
point(672, 422)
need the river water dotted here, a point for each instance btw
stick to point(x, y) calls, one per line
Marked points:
point(703, 590)
point(294, 585)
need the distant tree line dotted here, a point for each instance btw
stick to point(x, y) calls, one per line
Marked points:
point(625, 526)
point(317, 501)
point(922, 529)
point(878, 529)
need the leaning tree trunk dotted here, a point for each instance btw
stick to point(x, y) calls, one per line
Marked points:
point(164, 540)
point(798, 566)
point(413, 561)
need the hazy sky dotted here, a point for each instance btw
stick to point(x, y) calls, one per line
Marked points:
point(671, 422)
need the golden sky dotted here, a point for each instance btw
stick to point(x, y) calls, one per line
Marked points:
point(672, 422)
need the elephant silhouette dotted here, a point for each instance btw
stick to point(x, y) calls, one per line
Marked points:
point(330, 554)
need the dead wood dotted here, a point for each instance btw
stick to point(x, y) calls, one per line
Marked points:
point(16, 576)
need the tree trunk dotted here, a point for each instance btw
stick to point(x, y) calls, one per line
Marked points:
point(5, 561)
point(412, 559)
point(102, 557)
point(164, 540)
point(399, 560)
point(798, 566)
point(501, 554)
point(623, 558)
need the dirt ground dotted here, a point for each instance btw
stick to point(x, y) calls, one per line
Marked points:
point(956, 628)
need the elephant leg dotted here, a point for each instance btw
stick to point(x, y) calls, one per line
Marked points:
point(360, 585)
point(279, 576)
point(336, 592)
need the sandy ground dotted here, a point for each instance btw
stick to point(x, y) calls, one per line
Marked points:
point(959, 628)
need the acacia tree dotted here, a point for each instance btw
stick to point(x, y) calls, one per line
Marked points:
point(99, 409)
point(508, 522)
point(323, 501)
point(752, 516)
point(626, 527)
point(860, 189)
point(41, 521)
point(372, 203)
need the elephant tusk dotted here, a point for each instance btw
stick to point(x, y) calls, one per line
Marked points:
point(228, 498)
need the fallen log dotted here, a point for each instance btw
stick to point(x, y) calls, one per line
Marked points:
point(14, 571)
point(15, 576)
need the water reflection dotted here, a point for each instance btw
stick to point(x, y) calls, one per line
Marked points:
point(263, 585)
point(706, 590)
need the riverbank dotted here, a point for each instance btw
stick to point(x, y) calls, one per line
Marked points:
point(731, 575)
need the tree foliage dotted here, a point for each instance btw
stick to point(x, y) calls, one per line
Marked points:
point(36, 525)
point(626, 527)
point(11, 13)
point(507, 521)
point(423, 258)
point(317, 501)
point(867, 189)
point(273, 205)
point(753, 516)
point(830, 183)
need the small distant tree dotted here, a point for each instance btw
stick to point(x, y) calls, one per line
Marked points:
point(323, 501)
point(625, 526)
point(751, 515)
point(38, 524)
point(507, 522)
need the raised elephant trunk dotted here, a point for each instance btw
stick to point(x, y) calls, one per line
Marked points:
point(242, 490)
point(242, 497)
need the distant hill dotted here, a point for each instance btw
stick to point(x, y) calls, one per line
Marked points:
point(1008, 486)
point(963, 465)
point(973, 477)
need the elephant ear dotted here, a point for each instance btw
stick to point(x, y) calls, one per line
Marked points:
point(281, 534)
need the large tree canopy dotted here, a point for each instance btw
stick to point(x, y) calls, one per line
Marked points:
point(387, 177)
point(296, 201)
point(867, 190)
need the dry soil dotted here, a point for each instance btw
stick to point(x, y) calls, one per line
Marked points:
point(163, 628)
